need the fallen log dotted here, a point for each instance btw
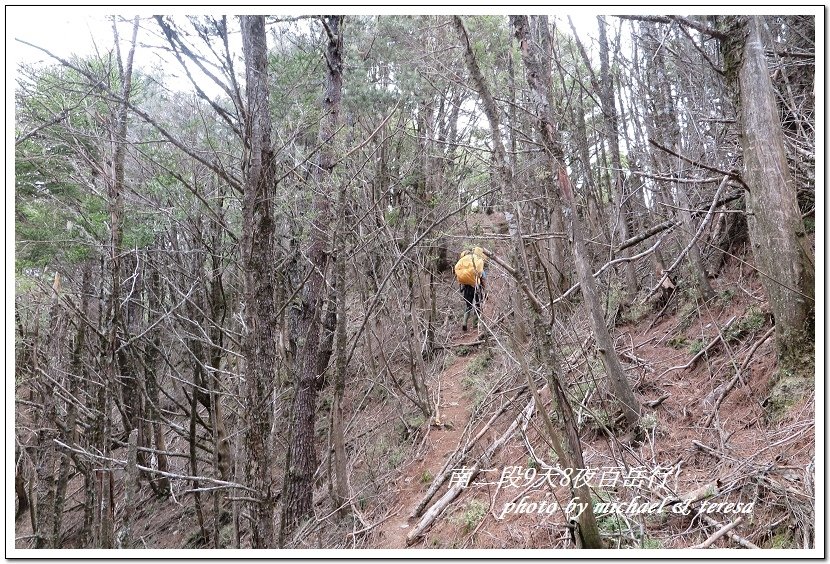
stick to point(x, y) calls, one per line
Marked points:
point(732, 534)
point(438, 508)
point(719, 533)
point(457, 457)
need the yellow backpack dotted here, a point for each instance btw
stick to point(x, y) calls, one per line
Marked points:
point(470, 266)
point(479, 252)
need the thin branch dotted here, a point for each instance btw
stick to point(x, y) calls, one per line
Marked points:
point(537, 305)
point(694, 238)
point(731, 534)
point(702, 352)
point(738, 375)
point(214, 166)
point(609, 264)
point(153, 470)
point(652, 231)
point(178, 46)
point(686, 22)
point(719, 533)
point(394, 269)
point(62, 115)
point(731, 174)
point(703, 54)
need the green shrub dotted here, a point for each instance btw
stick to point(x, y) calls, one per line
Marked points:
point(479, 364)
point(648, 421)
point(393, 216)
point(478, 385)
point(786, 390)
point(610, 525)
point(753, 320)
point(696, 346)
point(726, 295)
point(635, 312)
point(471, 516)
point(416, 420)
point(652, 543)
point(396, 456)
point(678, 342)
point(748, 324)
point(781, 540)
point(687, 311)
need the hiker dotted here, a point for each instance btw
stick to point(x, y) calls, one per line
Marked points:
point(471, 274)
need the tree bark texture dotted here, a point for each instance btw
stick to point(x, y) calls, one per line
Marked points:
point(605, 343)
point(667, 128)
point(48, 458)
point(257, 256)
point(609, 112)
point(116, 188)
point(776, 230)
point(301, 459)
point(341, 486)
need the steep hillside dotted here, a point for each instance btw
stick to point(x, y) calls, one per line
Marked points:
point(722, 425)
point(237, 323)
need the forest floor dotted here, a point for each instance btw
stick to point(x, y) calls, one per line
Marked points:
point(451, 426)
point(738, 439)
point(442, 439)
point(756, 444)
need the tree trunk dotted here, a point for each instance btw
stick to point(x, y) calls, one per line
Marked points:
point(505, 174)
point(160, 484)
point(592, 195)
point(257, 251)
point(301, 459)
point(125, 537)
point(609, 112)
point(782, 251)
point(116, 188)
point(48, 457)
point(78, 376)
point(557, 246)
point(605, 343)
point(341, 488)
point(667, 128)
point(696, 266)
point(589, 535)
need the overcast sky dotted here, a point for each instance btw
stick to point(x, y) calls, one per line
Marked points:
point(66, 31)
point(58, 31)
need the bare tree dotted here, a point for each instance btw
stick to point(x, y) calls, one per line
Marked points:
point(257, 256)
point(612, 133)
point(776, 228)
point(301, 459)
point(588, 527)
point(540, 85)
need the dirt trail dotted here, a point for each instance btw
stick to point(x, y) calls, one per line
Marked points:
point(454, 411)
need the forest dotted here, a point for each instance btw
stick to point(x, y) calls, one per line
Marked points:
point(240, 322)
